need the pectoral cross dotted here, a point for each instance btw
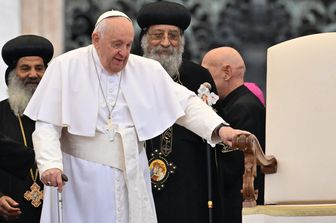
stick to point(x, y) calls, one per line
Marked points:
point(35, 195)
point(111, 129)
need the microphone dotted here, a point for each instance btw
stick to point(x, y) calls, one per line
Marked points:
point(204, 93)
point(207, 85)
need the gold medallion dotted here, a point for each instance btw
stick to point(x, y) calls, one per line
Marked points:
point(160, 169)
point(34, 194)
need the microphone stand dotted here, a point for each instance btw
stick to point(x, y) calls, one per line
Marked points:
point(209, 98)
point(209, 179)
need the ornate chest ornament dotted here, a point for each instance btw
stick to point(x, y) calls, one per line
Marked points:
point(160, 167)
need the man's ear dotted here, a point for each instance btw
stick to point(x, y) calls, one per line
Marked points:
point(227, 70)
point(95, 39)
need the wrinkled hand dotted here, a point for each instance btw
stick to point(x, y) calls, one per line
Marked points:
point(9, 208)
point(53, 177)
point(227, 134)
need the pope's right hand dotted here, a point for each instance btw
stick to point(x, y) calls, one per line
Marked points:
point(53, 177)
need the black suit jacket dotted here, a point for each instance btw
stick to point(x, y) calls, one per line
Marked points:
point(242, 110)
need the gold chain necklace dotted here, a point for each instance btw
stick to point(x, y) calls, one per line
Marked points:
point(34, 194)
point(111, 128)
point(177, 78)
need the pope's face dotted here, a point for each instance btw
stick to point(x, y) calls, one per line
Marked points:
point(114, 43)
point(30, 70)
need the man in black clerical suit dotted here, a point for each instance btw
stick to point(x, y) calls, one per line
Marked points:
point(27, 57)
point(178, 157)
point(242, 109)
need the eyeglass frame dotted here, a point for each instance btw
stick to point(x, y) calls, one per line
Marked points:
point(171, 35)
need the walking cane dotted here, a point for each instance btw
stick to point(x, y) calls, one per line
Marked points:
point(210, 99)
point(60, 201)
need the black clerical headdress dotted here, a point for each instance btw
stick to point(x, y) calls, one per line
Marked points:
point(167, 13)
point(26, 45)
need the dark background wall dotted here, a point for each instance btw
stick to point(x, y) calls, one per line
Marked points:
point(250, 26)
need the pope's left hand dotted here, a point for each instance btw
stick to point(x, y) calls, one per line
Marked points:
point(227, 134)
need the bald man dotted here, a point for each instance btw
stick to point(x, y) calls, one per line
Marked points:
point(242, 109)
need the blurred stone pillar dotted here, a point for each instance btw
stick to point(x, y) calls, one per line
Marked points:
point(45, 18)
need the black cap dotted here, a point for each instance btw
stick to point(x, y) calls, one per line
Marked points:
point(167, 13)
point(26, 45)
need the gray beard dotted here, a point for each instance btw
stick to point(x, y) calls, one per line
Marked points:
point(171, 62)
point(18, 94)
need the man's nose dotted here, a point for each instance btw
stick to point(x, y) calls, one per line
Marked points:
point(33, 73)
point(165, 42)
point(123, 50)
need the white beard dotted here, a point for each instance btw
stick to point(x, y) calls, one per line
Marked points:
point(18, 94)
point(171, 61)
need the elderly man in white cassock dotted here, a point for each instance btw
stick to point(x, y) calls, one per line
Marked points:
point(94, 109)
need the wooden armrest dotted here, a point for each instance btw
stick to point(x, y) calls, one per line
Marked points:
point(253, 156)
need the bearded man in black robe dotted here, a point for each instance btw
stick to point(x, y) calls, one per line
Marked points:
point(178, 157)
point(27, 57)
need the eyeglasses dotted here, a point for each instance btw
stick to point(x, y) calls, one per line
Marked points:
point(159, 36)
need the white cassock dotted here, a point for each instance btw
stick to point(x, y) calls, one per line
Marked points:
point(109, 181)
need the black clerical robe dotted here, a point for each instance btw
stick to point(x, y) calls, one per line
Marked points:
point(183, 194)
point(10, 184)
point(15, 158)
point(242, 110)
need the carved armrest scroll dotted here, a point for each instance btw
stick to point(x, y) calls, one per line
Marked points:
point(253, 156)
